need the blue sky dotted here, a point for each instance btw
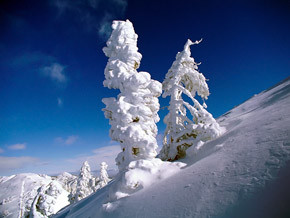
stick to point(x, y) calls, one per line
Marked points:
point(52, 68)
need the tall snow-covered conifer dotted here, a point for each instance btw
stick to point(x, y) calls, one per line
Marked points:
point(133, 113)
point(85, 183)
point(182, 132)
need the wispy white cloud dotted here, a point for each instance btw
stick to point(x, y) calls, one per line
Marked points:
point(105, 29)
point(12, 163)
point(18, 146)
point(56, 72)
point(95, 14)
point(31, 59)
point(119, 9)
point(1, 150)
point(103, 154)
point(71, 140)
point(59, 102)
point(67, 141)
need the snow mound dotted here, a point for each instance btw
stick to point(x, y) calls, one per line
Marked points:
point(140, 174)
point(243, 173)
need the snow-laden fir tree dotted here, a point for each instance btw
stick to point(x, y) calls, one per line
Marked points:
point(49, 200)
point(85, 183)
point(133, 114)
point(183, 78)
point(104, 177)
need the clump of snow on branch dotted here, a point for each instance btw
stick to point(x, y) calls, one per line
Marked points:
point(49, 200)
point(183, 78)
point(133, 113)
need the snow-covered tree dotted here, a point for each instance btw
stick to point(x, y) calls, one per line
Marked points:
point(49, 200)
point(85, 183)
point(183, 131)
point(96, 183)
point(133, 114)
point(104, 177)
point(68, 181)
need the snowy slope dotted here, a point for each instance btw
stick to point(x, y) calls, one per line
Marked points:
point(18, 191)
point(243, 173)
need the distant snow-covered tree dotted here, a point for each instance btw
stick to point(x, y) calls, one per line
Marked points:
point(96, 183)
point(133, 114)
point(85, 183)
point(182, 132)
point(68, 181)
point(104, 177)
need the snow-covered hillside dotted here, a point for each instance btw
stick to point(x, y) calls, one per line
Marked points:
point(243, 173)
point(18, 192)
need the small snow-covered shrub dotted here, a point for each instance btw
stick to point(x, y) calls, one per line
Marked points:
point(182, 132)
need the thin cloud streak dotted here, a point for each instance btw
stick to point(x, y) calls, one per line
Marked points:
point(31, 59)
point(104, 154)
point(55, 72)
point(12, 163)
point(59, 102)
point(17, 146)
point(97, 15)
point(67, 141)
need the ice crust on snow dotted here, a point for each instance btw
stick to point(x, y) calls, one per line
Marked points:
point(133, 113)
point(182, 132)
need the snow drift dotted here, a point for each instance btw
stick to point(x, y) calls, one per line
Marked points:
point(243, 173)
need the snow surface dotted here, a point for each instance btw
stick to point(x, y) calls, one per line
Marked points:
point(18, 191)
point(243, 173)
